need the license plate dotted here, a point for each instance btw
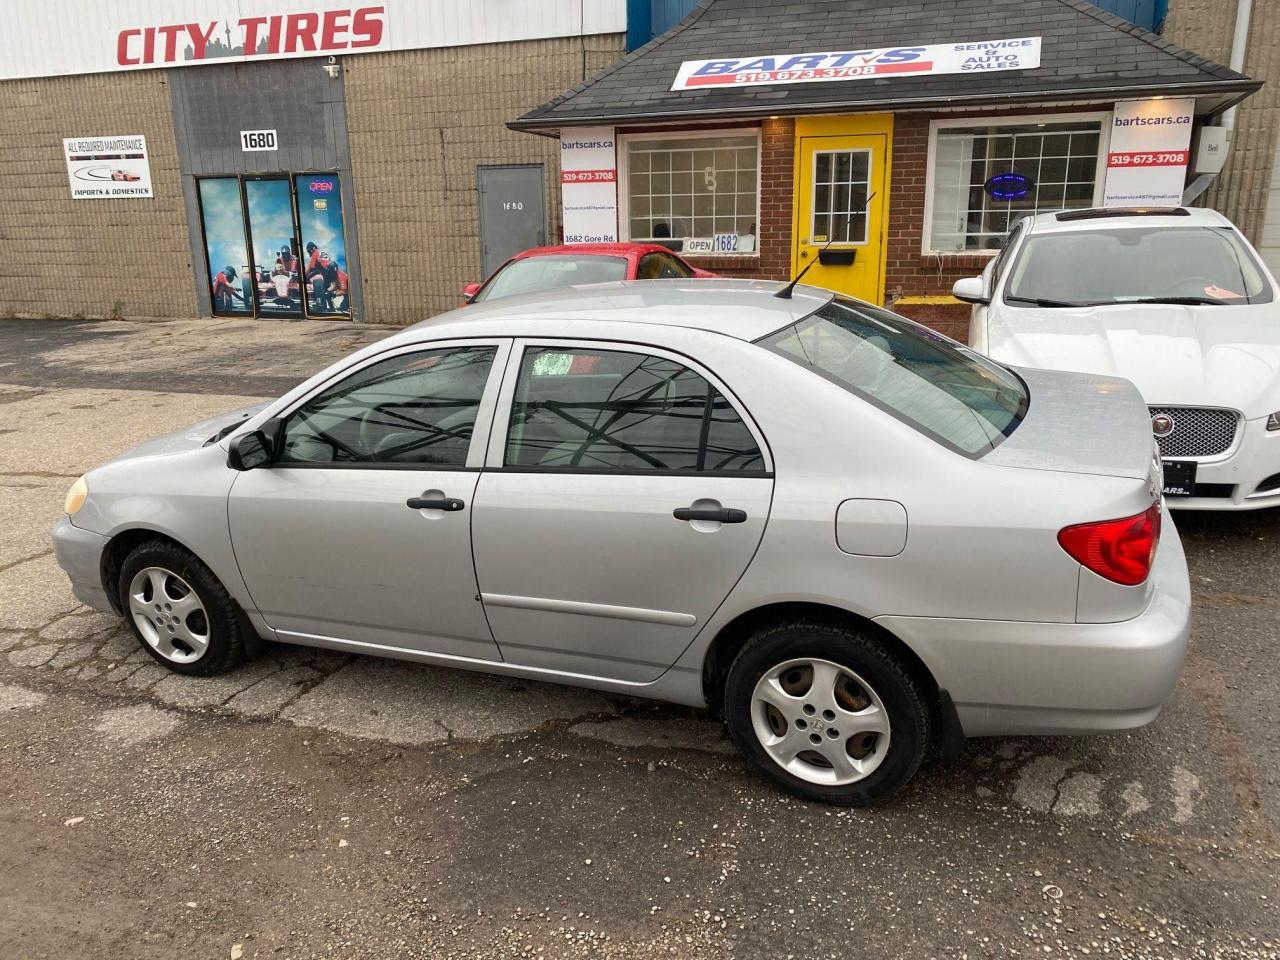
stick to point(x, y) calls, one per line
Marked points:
point(1179, 478)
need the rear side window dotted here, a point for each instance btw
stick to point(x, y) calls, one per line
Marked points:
point(661, 266)
point(603, 410)
point(945, 391)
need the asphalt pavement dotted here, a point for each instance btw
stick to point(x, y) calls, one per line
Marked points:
point(314, 804)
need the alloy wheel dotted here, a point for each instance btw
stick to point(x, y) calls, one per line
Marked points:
point(169, 615)
point(820, 721)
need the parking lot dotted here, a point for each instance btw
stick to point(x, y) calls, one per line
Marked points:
point(314, 804)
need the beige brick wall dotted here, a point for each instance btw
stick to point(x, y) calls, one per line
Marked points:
point(420, 122)
point(1206, 26)
point(65, 257)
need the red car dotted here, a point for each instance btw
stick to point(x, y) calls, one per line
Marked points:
point(544, 268)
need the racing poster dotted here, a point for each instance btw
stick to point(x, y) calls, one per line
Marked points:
point(108, 168)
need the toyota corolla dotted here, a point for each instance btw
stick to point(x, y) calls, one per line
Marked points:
point(858, 539)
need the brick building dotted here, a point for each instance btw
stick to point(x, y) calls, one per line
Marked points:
point(890, 146)
point(355, 162)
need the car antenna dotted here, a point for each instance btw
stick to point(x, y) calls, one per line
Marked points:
point(785, 292)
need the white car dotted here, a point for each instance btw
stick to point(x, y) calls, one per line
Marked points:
point(1175, 300)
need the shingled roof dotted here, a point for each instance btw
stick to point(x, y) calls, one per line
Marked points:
point(1087, 54)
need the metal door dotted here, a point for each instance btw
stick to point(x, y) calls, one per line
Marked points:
point(841, 213)
point(611, 571)
point(511, 212)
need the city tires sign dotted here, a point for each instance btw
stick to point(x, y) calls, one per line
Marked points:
point(108, 168)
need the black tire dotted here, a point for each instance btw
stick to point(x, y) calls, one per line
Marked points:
point(906, 700)
point(226, 638)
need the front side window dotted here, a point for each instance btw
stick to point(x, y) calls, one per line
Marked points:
point(531, 274)
point(696, 188)
point(415, 408)
point(1211, 265)
point(943, 390)
point(586, 409)
point(661, 266)
point(1059, 161)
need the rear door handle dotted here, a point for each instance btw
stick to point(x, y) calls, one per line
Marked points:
point(450, 504)
point(717, 514)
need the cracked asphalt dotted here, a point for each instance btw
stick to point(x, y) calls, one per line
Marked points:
point(314, 804)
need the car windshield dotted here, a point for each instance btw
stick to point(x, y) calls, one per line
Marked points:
point(531, 274)
point(945, 391)
point(1191, 265)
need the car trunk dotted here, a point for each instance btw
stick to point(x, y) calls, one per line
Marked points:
point(1082, 426)
point(1080, 423)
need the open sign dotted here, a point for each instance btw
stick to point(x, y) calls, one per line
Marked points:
point(321, 186)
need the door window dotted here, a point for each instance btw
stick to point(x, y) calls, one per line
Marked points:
point(841, 180)
point(662, 266)
point(585, 409)
point(324, 244)
point(275, 259)
point(415, 408)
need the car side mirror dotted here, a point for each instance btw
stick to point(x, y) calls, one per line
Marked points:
point(470, 290)
point(249, 451)
point(970, 290)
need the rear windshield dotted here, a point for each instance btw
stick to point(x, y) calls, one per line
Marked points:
point(1077, 268)
point(546, 273)
point(949, 393)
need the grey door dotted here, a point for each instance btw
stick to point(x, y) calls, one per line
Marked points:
point(511, 212)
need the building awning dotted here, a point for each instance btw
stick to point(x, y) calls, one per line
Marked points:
point(1085, 55)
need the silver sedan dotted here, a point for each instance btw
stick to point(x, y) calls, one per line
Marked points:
point(857, 539)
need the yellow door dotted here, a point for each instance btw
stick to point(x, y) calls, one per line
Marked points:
point(842, 185)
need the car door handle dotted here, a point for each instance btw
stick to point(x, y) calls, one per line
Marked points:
point(449, 504)
point(717, 514)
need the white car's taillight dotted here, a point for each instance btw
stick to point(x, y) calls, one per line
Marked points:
point(1120, 550)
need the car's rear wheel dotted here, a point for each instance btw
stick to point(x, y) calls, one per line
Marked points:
point(829, 713)
point(178, 610)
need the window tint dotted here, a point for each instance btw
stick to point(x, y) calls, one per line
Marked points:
point(609, 409)
point(942, 389)
point(660, 266)
point(532, 274)
point(416, 408)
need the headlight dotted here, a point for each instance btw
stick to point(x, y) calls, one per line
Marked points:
point(76, 497)
point(1273, 421)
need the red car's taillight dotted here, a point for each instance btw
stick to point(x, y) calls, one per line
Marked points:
point(1120, 550)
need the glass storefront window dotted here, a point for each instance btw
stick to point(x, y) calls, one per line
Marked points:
point(230, 274)
point(324, 244)
point(697, 188)
point(1060, 158)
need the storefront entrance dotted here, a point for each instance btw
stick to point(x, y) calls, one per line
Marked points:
point(842, 183)
point(294, 227)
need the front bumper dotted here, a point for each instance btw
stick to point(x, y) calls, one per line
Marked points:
point(79, 554)
point(1019, 678)
point(1235, 479)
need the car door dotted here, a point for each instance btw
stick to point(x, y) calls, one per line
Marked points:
point(624, 495)
point(360, 531)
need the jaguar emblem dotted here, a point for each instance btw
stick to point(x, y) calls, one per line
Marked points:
point(1162, 425)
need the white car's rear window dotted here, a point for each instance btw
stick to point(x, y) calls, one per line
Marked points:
point(947, 392)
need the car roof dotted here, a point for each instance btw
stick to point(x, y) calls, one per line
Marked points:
point(1121, 218)
point(594, 249)
point(743, 309)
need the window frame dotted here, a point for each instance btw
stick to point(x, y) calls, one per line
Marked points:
point(624, 180)
point(1103, 118)
point(484, 412)
point(813, 198)
point(500, 430)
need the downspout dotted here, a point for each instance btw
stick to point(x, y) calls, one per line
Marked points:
point(1239, 43)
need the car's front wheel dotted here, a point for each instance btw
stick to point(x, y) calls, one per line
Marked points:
point(179, 611)
point(830, 713)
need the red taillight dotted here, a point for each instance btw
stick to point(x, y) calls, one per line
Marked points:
point(1120, 550)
